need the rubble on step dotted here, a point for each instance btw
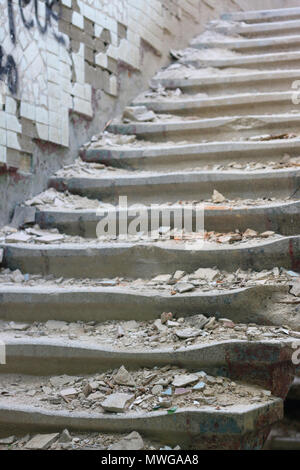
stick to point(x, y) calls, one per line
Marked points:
point(51, 198)
point(83, 169)
point(76, 441)
point(210, 36)
point(284, 163)
point(41, 441)
point(166, 388)
point(217, 197)
point(295, 290)
point(36, 235)
point(138, 114)
point(159, 93)
point(190, 55)
point(203, 279)
point(268, 137)
point(106, 139)
point(244, 203)
point(237, 236)
point(189, 71)
point(117, 141)
point(176, 332)
point(55, 200)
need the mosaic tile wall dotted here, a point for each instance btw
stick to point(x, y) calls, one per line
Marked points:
point(53, 53)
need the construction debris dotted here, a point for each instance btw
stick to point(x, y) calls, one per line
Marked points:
point(117, 402)
point(42, 441)
point(167, 387)
point(124, 378)
point(131, 442)
point(217, 197)
point(138, 113)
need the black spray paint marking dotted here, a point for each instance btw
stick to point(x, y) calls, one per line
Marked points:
point(49, 14)
point(9, 72)
point(27, 23)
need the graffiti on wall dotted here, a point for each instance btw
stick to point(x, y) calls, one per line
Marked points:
point(42, 20)
point(61, 57)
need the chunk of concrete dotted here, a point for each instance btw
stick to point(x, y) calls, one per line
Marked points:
point(117, 402)
point(131, 442)
point(7, 440)
point(23, 215)
point(42, 441)
point(183, 287)
point(205, 274)
point(139, 114)
point(197, 321)
point(187, 333)
point(296, 289)
point(217, 197)
point(19, 237)
point(65, 437)
point(184, 379)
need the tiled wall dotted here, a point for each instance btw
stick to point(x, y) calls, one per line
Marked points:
point(56, 63)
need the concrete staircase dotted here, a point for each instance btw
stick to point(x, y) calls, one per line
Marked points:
point(220, 118)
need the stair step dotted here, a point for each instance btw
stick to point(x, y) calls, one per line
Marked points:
point(220, 82)
point(90, 301)
point(230, 105)
point(294, 393)
point(141, 187)
point(266, 304)
point(183, 425)
point(285, 443)
point(285, 435)
point(193, 156)
point(255, 15)
point(281, 43)
point(216, 129)
point(261, 29)
point(280, 217)
point(149, 259)
point(48, 356)
point(269, 61)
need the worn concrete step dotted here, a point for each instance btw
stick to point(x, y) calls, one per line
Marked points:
point(193, 156)
point(271, 61)
point(285, 443)
point(276, 28)
point(216, 129)
point(217, 84)
point(257, 15)
point(266, 304)
point(294, 393)
point(284, 435)
point(278, 216)
point(162, 187)
point(237, 427)
point(149, 259)
point(254, 45)
point(48, 356)
point(230, 105)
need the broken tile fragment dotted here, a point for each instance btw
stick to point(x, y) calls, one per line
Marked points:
point(123, 377)
point(42, 441)
point(117, 402)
